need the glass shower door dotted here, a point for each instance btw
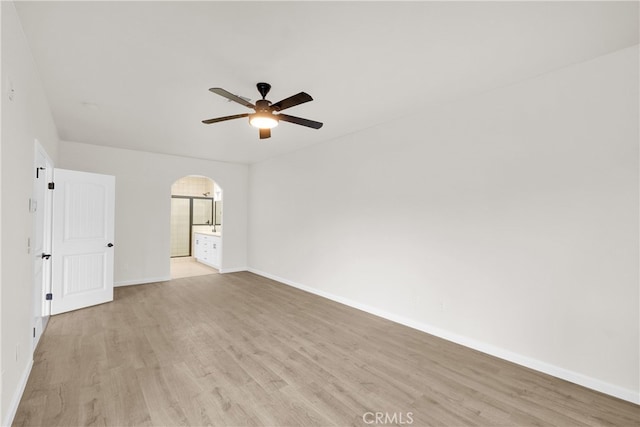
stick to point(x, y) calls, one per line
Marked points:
point(180, 227)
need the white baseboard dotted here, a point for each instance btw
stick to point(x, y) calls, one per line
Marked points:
point(537, 365)
point(141, 281)
point(232, 270)
point(15, 401)
point(167, 278)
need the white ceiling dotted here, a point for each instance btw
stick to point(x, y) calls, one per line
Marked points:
point(136, 74)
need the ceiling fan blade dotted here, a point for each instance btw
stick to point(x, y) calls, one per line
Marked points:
point(265, 133)
point(292, 101)
point(222, 119)
point(299, 121)
point(231, 97)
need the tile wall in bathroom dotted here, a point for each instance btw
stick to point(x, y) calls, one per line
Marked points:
point(195, 186)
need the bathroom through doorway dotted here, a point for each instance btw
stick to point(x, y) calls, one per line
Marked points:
point(196, 226)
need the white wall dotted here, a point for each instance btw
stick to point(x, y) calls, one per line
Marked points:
point(24, 119)
point(507, 222)
point(143, 205)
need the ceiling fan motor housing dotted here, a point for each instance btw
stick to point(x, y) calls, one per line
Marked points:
point(262, 105)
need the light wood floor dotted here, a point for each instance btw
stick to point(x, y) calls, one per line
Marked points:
point(238, 349)
point(188, 267)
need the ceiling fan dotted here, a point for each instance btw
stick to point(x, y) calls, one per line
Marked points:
point(265, 117)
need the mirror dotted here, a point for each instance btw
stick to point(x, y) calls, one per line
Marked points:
point(202, 211)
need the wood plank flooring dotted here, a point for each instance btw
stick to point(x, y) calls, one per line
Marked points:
point(242, 350)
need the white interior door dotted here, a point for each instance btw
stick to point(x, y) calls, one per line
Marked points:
point(83, 231)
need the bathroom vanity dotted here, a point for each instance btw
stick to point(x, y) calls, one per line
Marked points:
point(208, 248)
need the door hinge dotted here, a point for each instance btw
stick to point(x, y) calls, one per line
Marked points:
point(34, 332)
point(51, 186)
point(49, 297)
point(38, 172)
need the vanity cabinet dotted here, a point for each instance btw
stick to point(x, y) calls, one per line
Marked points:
point(207, 249)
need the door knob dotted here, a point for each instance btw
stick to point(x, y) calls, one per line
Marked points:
point(109, 245)
point(46, 256)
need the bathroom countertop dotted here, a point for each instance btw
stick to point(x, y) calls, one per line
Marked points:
point(208, 233)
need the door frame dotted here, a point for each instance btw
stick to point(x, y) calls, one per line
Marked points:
point(42, 311)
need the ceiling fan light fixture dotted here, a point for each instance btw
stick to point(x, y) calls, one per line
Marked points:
point(263, 121)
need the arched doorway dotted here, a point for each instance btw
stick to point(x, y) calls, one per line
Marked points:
point(196, 226)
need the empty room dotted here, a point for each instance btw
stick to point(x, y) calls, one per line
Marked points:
point(299, 213)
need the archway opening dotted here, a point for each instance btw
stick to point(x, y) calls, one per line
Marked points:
point(196, 227)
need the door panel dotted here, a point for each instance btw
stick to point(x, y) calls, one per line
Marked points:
point(83, 216)
point(83, 273)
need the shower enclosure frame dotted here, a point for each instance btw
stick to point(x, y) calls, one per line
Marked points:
point(191, 223)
